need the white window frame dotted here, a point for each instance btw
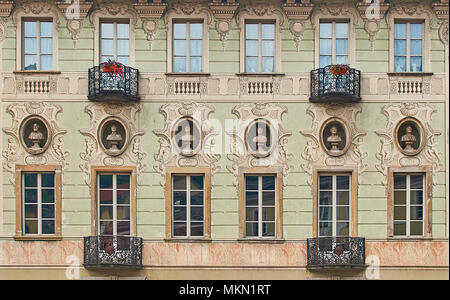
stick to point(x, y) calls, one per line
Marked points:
point(408, 204)
point(114, 204)
point(38, 42)
point(188, 44)
point(333, 39)
point(260, 40)
point(115, 37)
point(408, 44)
point(39, 203)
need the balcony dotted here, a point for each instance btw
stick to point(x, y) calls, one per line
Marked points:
point(336, 252)
point(112, 252)
point(327, 87)
point(113, 87)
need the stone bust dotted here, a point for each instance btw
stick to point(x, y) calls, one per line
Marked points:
point(408, 138)
point(334, 139)
point(114, 138)
point(36, 137)
point(260, 140)
point(187, 142)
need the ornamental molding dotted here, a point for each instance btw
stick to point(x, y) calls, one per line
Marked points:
point(240, 154)
point(18, 153)
point(297, 14)
point(36, 8)
point(5, 11)
point(189, 8)
point(441, 9)
point(317, 156)
point(96, 153)
point(372, 13)
point(390, 155)
point(256, 9)
point(334, 9)
point(223, 13)
point(170, 155)
point(115, 9)
point(150, 14)
point(75, 12)
point(409, 9)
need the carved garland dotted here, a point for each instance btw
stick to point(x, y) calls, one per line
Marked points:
point(20, 150)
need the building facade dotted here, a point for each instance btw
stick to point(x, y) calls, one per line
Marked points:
point(246, 139)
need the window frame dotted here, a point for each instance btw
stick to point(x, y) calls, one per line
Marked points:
point(188, 171)
point(19, 190)
point(188, 22)
point(261, 171)
point(115, 36)
point(334, 38)
point(260, 42)
point(408, 39)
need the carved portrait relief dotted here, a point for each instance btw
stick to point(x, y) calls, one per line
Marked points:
point(260, 138)
point(334, 134)
point(410, 139)
point(113, 136)
point(186, 136)
point(35, 134)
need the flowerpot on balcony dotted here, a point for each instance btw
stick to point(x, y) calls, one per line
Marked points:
point(339, 69)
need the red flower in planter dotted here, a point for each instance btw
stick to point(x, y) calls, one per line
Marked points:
point(113, 67)
point(339, 69)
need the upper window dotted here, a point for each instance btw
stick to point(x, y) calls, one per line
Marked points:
point(334, 43)
point(188, 47)
point(408, 47)
point(38, 45)
point(115, 41)
point(259, 47)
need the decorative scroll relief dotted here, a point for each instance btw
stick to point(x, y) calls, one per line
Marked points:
point(32, 8)
point(407, 9)
point(259, 9)
point(112, 139)
point(75, 11)
point(35, 137)
point(372, 13)
point(193, 8)
point(223, 13)
point(441, 9)
point(409, 139)
point(297, 13)
point(334, 139)
point(258, 138)
point(188, 138)
point(5, 11)
point(334, 9)
point(150, 13)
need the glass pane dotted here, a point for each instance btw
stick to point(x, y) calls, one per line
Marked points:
point(342, 47)
point(251, 183)
point(46, 29)
point(267, 64)
point(325, 61)
point(179, 229)
point(48, 196)
point(400, 30)
point(343, 182)
point(179, 64)
point(416, 197)
point(325, 229)
point(30, 29)
point(196, 198)
point(268, 214)
point(342, 59)
point(251, 64)
point(197, 213)
point(106, 197)
point(30, 62)
point(196, 182)
point(30, 196)
point(325, 47)
point(123, 213)
point(399, 197)
point(106, 212)
point(399, 182)
point(399, 228)
point(268, 183)
point(123, 182)
point(416, 47)
point(123, 197)
point(179, 31)
point(48, 211)
point(125, 60)
point(31, 211)
point(106, 58)
point(30, 179)
point(268, 31)
point(342, 213)
point(196, 64)
point(268, 229)
point(30, 46)
point(48, 180)
point(342, 228)
point(251, 198)
point(416, 228)
point(251, 31)
point(179, 182)
point(179, 198)
point(123, 228)
point(251, 214)
point(399, 212)
point(196, 31)
point(268, 48)
point(416, 64)
point(197, 229)
point(107, 30)
point(325, 213)
point(416, 31)
point(123, 47)
point(400, 47)
point(251, 48)
point(123, 31)
point(196, 47)
point(48, 227)
point(31, 226)
point(179, 47)
point(46, 62)
point(416, 212)
point(107, 47)
point(341, 30)
point(342, 198)
point(106, 181)
point(106, 228)
point(416, 182)
point(326, 30)
point(179, 213)
point(326, 198)
point(251, 229)
point(268, 198)
point(400, 64)
point(325, 182)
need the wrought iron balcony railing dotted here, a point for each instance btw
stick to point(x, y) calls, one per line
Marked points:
point(336, 252)
point(327, 87)
point(107, 86)
point(112, 251)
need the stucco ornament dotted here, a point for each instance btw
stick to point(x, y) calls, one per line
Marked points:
point(372, 13)
point(259, 8)
point(189, 8)
point(334, 139)
point(395, 149)
point(75, 11)
point(36, 8)
point(223, 13)
point(112, 139)
point(297, 13)
point(244, 151)
point(115, 8)
point(150, 13)
point(406, 9)
point(5, 10)
point(35, 137)
point(188, 138)
point(441, 9)
point(333, 9)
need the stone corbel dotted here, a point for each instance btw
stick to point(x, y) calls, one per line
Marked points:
point(5, 11)
point(74, 11)
point(297, 14)
point(223, 13)
point(150, 14)
point(372, 13)
point(441, 9)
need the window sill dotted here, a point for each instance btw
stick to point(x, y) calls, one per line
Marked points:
point(409, 74)
point(261, 240)
point(188, 74)
point(188, 240)
point(37, 238)
point(409, 239)
point(259, 74)
point(37, 72)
